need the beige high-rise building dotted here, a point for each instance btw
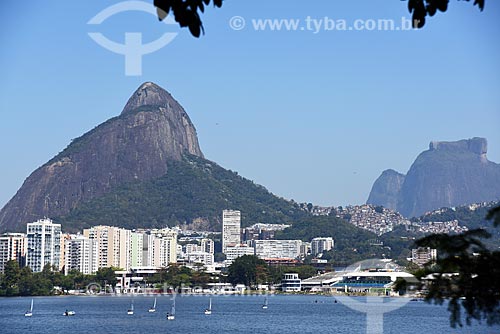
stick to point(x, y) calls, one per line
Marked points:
point(231, 229)
point(165, 247)
point(64, 237)
point(12, 247)
point(113, 246)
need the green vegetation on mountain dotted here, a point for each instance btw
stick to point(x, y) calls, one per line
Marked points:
point(194, 189)
point(472, 218)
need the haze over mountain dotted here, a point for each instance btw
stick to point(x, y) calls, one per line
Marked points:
point(447, 174)
point(143, 168)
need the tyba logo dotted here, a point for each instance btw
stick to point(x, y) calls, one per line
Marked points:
point(133, 49)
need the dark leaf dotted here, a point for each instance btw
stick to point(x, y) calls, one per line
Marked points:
point(479, 3)
point(442, 5)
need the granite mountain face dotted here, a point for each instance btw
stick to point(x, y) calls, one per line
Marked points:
point(152, 129)
point(385, 190)
point(141, 169)
point(448, 174)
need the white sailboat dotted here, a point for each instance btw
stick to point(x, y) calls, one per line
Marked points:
point(131, 309)
point(153, 309)
point(30, 312)
point(208, 311)
point(264, 306)
point(69, 313)
point(171, 315)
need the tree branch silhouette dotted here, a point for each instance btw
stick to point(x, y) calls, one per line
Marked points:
point(187, 12)
point(466, 273)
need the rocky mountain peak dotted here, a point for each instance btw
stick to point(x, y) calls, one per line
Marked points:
point(150, 94)
point(475, 145)
point(448, 174)
point(152, 131)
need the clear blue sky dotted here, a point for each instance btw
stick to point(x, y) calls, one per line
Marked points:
point(313, 117)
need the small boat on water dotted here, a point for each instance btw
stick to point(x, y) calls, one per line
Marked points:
point(208, 311)
point(153, 309)
point(131, 309)
point(68, 313)
point(171, 315)
point(265, 305)
point(30, 312)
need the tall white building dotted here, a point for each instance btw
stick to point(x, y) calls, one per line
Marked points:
point(124, 253)
point(321, 245)
point(12, 247)
point(231, 229)
point(277, 249)
point(81, 255)
point(44, 244)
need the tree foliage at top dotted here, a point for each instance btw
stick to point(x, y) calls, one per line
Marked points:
point(187, 12)
point(466, 273)
point(420, 9)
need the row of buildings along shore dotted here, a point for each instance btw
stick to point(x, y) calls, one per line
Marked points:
point(108, 246)
point(141, 253)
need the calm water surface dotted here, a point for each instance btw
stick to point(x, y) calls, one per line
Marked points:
point(231, 314)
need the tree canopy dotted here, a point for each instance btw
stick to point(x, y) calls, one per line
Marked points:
point(248, 270)
point(187, 12)
point(466, 273)
point(420, 9)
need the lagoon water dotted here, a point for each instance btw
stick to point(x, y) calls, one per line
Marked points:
point(231, 314)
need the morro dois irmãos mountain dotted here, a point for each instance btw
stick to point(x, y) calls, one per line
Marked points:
point(152, 128)
point(143, 168)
